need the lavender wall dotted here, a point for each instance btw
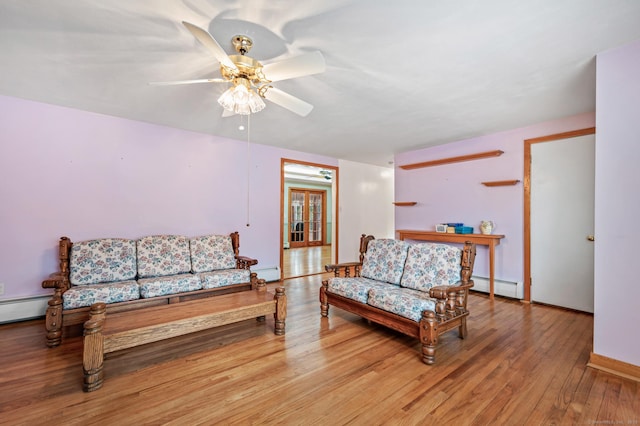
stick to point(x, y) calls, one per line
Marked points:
point(617, 292)
point(454, 193)
point(84, 175)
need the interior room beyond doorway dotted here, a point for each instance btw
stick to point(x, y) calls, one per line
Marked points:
point(304, 261)
point(308, 224)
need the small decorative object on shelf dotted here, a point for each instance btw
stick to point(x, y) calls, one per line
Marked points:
point(464, 229)
point(451, 227)
point(441, 227)
point(486, 227)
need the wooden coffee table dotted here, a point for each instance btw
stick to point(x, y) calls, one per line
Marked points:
point(104, 333)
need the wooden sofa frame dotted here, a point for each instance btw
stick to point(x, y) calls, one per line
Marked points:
point(56, 318)
point(450, 312)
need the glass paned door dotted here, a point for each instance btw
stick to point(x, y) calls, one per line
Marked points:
point(298, 202)
point(316, 199)
point(306, 217)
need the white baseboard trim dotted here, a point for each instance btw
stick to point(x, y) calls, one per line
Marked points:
point(511, 289)
point(268, 274)
point(12, 310)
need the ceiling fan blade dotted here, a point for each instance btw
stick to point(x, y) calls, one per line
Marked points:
point(288, 101)
point(210, 43)
point(297, 66)
point(174, 83)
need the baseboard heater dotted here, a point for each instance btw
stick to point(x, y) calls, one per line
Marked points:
point(511, 289)
point(12, 310)
point(268, 274)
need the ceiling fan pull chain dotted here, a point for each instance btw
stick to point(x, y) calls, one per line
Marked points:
point(248, 170)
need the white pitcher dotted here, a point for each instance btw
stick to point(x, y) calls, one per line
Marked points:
point(486, 227)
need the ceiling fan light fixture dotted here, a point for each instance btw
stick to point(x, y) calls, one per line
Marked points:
point(226, 99)
point(241, 98)
point(250, 79)
point(255, 102)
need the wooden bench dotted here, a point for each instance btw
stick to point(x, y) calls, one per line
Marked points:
point(104, 333)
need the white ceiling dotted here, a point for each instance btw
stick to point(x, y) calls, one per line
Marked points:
point(308, 174)
point(400, 75)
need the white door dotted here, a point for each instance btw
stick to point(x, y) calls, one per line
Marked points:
point(562, 204)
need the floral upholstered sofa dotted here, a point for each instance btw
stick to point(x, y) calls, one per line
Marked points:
point(418, 289)
point(131, 274)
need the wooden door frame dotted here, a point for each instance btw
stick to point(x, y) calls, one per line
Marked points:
point(527, 196)
point(308, 201)
point(334, 211)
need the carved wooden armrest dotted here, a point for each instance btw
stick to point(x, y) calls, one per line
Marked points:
point(55, 280)
point(441, 291)
point(345, 267)
point(451, 300)
point(245, 262)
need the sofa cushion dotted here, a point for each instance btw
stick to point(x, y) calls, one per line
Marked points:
point(431, 264)
point(405, 302)
point(384, 260)
point(79, 296)
point(102, 260)
point(215, 279)
point(211, 252)
point(159, 286)
point(161, 255)
point(355, 288)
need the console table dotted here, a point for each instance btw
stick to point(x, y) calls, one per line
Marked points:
point(490, 240)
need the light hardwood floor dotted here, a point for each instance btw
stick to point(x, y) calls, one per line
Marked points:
point(521, 364)
point(300, 262)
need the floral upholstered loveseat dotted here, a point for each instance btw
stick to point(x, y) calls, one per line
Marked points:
point(131, 274)
point(417, 289)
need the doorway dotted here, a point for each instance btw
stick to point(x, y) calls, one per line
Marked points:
point(559, 219)
point(307, 217)
point(309, 225)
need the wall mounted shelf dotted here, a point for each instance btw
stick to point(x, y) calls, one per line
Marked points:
point(500, 183)
point(405, 203)
point(449, 160)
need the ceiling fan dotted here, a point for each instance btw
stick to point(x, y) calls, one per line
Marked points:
point(250, 80)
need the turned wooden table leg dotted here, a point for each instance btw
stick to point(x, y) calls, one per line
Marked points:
point(281, 311)
point(93, 353)
point(492, 269)
point(462, 330)
point(261, 286)
point(324, 306)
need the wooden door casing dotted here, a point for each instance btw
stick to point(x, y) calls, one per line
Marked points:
point(527, 200)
